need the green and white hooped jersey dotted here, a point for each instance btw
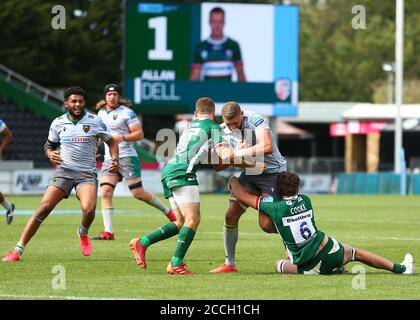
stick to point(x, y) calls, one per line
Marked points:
point(192, 149)
point(217, 58)
point(252, 121)
point(78, 140)
point(295, 223)
point(118, 122)
point(2, 125)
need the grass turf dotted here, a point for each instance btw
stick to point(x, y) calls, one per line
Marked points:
point(385, 225)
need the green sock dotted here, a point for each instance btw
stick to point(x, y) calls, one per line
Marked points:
point(186, 236)
point(398, 268)
point(164, 232)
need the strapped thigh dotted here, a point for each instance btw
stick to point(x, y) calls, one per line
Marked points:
point(107, 184)
point(135, 185)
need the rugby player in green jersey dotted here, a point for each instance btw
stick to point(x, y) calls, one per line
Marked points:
point(309, 250)
point(180, 185)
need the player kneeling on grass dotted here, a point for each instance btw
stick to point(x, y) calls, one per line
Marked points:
point(76, 133)
point(309, 250)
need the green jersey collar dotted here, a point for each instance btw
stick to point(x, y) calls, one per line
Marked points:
point(77, 120)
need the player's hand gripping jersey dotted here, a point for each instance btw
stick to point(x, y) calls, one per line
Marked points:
point(274, 161)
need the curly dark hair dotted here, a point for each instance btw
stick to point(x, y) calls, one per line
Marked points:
point(74, 90)
point(288, 183)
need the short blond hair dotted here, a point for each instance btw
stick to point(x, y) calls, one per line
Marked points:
point(205, 105)
point(230, 110)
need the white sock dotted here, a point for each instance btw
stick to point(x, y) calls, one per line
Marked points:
point(20, 248)
point(230, 235)
point(155, 202)
point(107, 216)
point(5, 204)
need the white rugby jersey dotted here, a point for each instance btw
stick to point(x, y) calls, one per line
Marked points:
point(118, 122)
point(275, 161)
point(2, 125)
point(78, 140)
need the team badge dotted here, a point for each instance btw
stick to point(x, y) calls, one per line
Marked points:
point(283, 89)
point(115, 116)
point(86, 128)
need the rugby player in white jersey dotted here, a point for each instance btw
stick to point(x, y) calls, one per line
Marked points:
point(257, 143)
point(126, 129)
point(71, 147)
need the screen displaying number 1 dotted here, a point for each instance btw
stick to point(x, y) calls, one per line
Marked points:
point(160, 51)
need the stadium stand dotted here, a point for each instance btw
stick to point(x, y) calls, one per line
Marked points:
point(29, 133)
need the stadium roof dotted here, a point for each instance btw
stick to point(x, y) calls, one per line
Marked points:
point(368, 111)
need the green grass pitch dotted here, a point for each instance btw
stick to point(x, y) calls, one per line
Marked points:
point(386, 225)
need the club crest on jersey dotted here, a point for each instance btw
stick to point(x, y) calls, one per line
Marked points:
point(115, 116)
point(86, 128)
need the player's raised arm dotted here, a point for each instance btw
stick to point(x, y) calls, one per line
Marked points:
point(240, 193)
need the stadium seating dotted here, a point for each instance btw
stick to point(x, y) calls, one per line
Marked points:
point(29, 133)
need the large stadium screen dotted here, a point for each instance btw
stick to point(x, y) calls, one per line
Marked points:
point(176, 53)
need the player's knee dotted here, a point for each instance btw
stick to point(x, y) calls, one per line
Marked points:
point(107, 192)
point(192, 222)
point(44, 210)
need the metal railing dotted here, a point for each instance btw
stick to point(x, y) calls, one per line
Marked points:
point(32, 87)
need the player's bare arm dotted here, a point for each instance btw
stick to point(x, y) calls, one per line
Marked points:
point(240, 193)
point(114, 151)
point(263, 146)
point(136, 133)
point(52, 153)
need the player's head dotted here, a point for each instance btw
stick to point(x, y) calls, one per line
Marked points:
point(112, 93)
point(74, 101)
point(217, 22)
point(232, 115)
point(205, 107)
point(288, 183)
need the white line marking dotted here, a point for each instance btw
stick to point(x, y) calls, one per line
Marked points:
point(25, 296)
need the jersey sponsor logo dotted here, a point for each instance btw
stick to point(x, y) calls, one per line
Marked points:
point(301, 216)
point(90, 116)
point(86, 128)
point(76, 139)
point(266, 199)
point(113, 126)
point(114, 117)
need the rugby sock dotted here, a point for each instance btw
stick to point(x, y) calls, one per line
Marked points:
point(82, 230)
point(164, 232)
point(107, 214)
point(186, 236)
point(398, 268)
point(230, 233)
point(155, 202)
point(5, 204)
point(20, 248)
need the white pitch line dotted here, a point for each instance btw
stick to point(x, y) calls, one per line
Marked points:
point(25, 296)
